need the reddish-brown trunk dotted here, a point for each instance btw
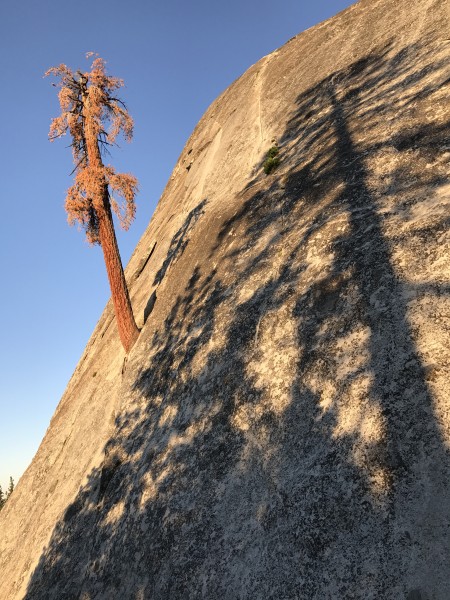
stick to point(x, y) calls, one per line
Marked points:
point(126, 324)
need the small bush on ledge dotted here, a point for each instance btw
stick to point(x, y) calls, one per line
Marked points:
point(272, 160)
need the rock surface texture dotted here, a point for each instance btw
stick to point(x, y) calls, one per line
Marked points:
point(281, 428)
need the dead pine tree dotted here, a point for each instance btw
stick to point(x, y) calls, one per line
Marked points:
point(94, 117)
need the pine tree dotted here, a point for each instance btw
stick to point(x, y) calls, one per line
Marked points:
point(4, 497)
point(94, 117)
point(10, 488)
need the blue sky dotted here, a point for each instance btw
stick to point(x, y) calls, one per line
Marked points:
point(176, 58)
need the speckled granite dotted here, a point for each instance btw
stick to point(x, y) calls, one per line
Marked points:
point(281, 428)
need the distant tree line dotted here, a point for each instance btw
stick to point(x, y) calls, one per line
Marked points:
point(5, 495)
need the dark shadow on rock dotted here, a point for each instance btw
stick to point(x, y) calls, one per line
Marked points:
point(144, 262)
point(210, 489)
point(180, 241)
point(149, 306)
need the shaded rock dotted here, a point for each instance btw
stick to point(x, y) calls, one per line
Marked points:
point(282, 427)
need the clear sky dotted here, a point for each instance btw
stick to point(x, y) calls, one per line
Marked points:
point(176, 57)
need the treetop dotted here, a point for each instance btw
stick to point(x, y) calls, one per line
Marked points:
point(93, 115)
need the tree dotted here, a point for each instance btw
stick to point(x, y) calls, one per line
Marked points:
point(4, 497)
point(94, 117)
point(10, 488)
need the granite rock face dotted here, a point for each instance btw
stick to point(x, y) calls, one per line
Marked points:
point(281, 428)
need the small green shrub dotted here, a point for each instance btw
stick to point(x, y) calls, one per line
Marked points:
point(272, 160)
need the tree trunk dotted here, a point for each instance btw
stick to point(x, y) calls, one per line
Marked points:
point(128, 330)
point(126, 324)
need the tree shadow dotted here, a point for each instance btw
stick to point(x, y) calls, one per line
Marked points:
point(282, 438)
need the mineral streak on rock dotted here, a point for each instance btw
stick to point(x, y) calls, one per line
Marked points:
point(281, 428)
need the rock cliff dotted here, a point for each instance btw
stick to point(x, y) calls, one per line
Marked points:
point(281, 428)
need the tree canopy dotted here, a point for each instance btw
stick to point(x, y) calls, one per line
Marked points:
point(89, 97)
